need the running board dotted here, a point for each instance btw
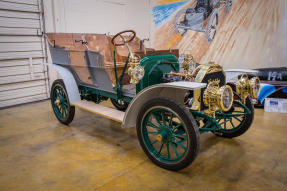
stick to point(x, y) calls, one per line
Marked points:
point(106, 112)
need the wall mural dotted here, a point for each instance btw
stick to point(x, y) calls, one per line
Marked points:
point(233, 33)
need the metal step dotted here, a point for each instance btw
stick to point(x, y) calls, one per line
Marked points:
point(107, 112)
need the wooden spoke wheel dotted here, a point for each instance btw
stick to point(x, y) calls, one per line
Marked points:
point(120, 104)
point(237, 121)
point(168, 133)
point(60, 103)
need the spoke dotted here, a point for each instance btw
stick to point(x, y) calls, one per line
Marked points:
point(174, 149)
point(224, 122)
point(179, 143)
point(157, 120)
point(160, 148)
point(152, 125)
point(63, 111)
point(178, 135)
point(170, 120)
point(237, 119)
point(177, 126)
point(152, 132)
point(163, 118)
point(61, 91)
point(66, 105)
point(232, 123)
point(237, 115)
point(167, 149)
point(65, 99)
point(154, 142)
point(238, 112)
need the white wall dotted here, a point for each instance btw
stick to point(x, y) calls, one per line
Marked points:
point(97, 16)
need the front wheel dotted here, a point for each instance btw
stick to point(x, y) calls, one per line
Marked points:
point(60, 103)
point(236, 122)
point(168, 133)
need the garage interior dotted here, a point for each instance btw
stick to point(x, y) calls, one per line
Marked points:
point(94, 152)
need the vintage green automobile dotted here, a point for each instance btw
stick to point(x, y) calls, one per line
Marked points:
point(169, 106)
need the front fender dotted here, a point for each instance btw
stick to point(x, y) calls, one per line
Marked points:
point(174, 90)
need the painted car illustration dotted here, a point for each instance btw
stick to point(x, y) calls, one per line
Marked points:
point(195, 18)
point(170, 106)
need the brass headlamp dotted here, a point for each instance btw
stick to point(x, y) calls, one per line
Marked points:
point(216, 97)
point(135, 71)
point(245, 87)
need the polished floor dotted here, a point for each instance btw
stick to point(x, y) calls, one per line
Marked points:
point(93, 153)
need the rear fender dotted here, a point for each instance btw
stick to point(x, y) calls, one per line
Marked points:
point(69, 81)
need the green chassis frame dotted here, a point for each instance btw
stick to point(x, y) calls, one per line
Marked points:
point(210, 123)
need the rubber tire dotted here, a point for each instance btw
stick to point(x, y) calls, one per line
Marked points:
point(244, 126)
point(119, 107)
point(71, 112)
point(188, 120)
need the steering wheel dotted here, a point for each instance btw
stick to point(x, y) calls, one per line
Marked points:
point(124, 40)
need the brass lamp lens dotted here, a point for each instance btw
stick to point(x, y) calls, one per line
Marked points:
point(255, 87)
point(138, 72)
point(226, 98)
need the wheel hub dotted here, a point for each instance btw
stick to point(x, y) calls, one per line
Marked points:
point(161, 136)
point(165, 134)
point(57, 102)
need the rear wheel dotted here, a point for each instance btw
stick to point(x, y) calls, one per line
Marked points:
point(168, 133)
point(60, 103)
point(120, 104)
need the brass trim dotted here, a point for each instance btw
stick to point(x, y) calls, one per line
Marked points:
point(253, 83)
point(134, 62)
point(196, 100)
point(202, 72)
point(220, 92)
point(213, 96)
point(246, 87)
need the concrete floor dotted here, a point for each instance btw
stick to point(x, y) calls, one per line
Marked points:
point(94, 153)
